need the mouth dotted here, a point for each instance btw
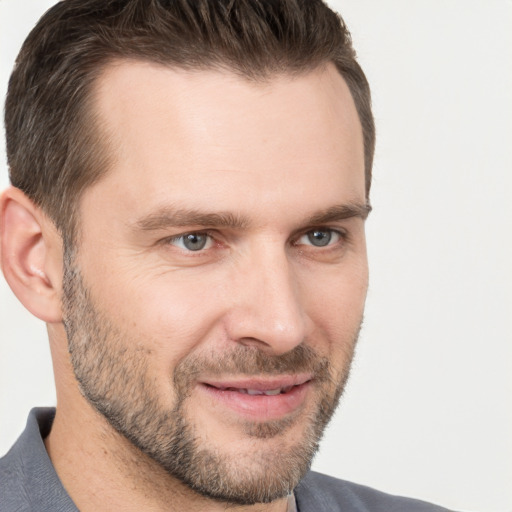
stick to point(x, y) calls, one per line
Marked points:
point(259, 399)
point(255, 392)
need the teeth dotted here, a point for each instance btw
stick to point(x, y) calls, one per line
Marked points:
point(267, 392)
point(255, 392)
point(271, 392)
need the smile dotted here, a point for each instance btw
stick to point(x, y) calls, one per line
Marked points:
point(254, 392)
point(257, 399)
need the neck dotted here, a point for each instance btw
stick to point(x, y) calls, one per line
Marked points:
point(101, 470)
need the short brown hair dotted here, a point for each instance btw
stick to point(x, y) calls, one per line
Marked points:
point(53, 149)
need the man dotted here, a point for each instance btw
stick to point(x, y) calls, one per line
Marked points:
point(190, 185)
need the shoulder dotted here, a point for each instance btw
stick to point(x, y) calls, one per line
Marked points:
point(317, 492)
point(13, 492)
point(28, 481)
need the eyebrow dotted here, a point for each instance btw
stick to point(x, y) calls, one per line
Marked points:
point(168, 217)
point(340, 212)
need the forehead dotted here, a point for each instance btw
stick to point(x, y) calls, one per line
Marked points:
point(174, 131)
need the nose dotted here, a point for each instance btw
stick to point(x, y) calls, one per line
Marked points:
point(267, 309)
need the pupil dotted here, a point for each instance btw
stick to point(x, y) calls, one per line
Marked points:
point(194, 242)
point(319, 238)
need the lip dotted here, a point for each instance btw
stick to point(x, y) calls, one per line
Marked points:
point(262, 384)
point(260, 407)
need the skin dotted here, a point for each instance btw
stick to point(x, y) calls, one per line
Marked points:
point(277, 156)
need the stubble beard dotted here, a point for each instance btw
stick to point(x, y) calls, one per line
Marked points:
point(114, 376)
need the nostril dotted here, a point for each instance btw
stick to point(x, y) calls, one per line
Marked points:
point(252, 342)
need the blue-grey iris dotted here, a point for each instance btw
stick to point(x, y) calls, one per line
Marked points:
point(319, 238)
point(195, 241)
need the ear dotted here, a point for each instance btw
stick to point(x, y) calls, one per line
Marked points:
point(31, 255)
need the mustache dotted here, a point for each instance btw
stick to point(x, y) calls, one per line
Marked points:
point(250, 361)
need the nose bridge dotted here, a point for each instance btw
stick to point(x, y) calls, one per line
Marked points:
point(269, 311)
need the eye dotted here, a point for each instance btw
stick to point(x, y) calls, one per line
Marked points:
point(192, 241)
point(320, 237)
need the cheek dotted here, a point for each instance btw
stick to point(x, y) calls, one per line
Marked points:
point(170, 315)
point(335, 303)
point(337, 291)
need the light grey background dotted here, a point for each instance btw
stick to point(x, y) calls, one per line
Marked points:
point(428, 410)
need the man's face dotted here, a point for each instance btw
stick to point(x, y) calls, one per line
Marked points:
point(215, 297)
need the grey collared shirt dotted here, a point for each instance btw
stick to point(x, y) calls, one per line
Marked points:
point(28, 480)
point(29, 483)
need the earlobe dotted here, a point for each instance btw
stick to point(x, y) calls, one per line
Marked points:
point(30, 254)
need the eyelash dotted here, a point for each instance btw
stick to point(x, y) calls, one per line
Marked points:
point(176, 238)
point(342, 234)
